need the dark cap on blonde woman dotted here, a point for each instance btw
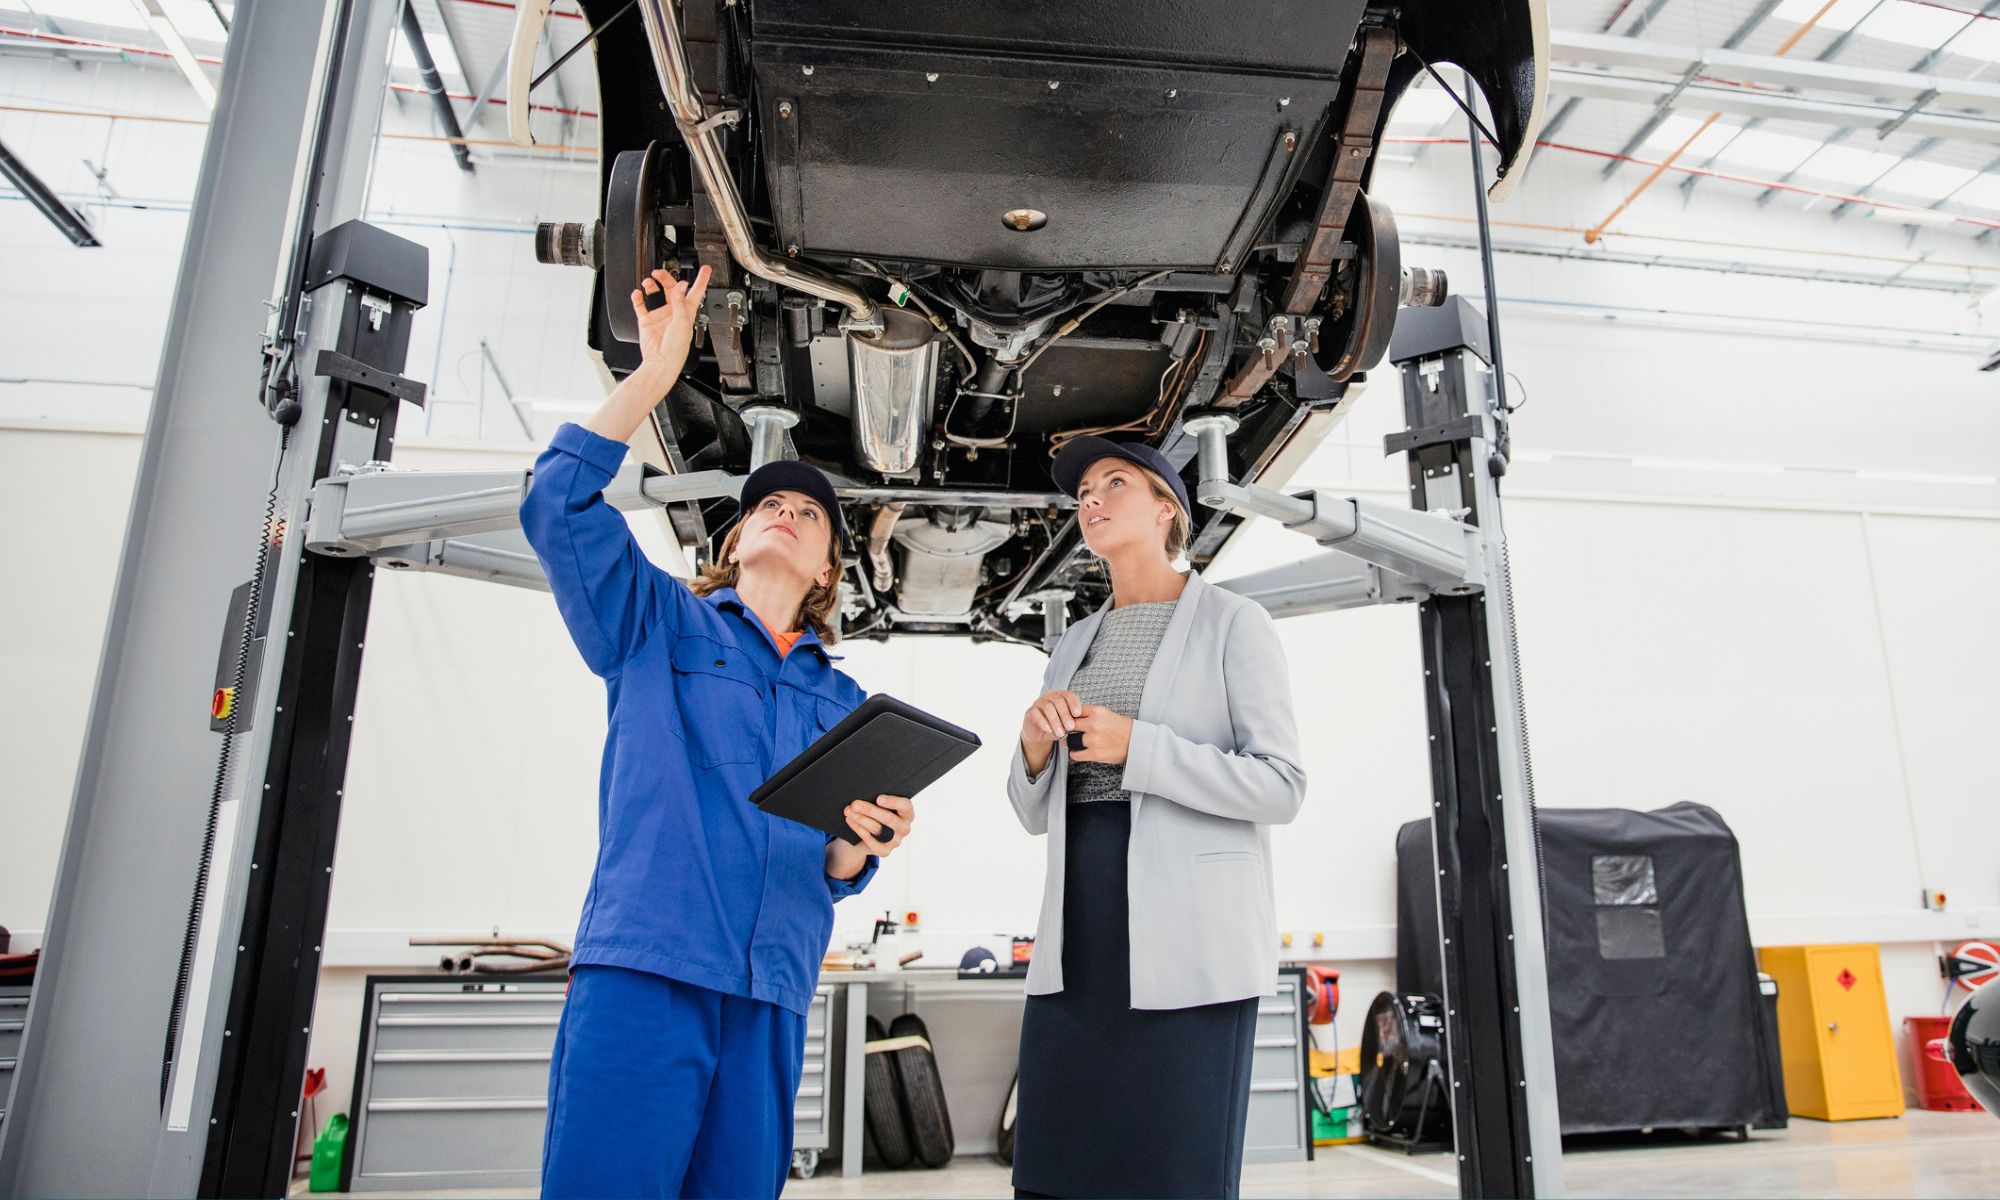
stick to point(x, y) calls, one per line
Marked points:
point(1077, 457)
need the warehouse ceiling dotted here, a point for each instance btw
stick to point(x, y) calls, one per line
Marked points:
point(1872, 110)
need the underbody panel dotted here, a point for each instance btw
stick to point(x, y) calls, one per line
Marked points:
point(1096, 217)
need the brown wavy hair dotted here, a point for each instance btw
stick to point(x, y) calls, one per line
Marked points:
point(820, 601)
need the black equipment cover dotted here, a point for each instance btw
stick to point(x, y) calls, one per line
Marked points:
point(1653, 992)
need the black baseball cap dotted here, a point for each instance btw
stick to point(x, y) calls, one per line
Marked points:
point(1077, 457)
point(791, 475)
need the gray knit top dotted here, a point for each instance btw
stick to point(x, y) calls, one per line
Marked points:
point(1113, 676)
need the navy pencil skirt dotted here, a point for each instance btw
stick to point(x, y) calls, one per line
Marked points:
point(1117, 1101)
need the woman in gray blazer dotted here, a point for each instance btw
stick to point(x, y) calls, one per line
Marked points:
point(1157, 931)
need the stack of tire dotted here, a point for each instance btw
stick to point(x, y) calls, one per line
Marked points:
point(904, 1095)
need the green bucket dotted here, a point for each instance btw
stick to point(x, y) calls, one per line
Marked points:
point(329, 1148)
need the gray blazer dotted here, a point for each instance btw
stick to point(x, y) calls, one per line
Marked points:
point(1214, 761)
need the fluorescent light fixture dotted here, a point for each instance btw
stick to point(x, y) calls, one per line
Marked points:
point(1424, 106)
point(163, 28)
point(1531, 456)
point(1927, 477)
point(1931, 180)
point(1847, 165)
point(1675, 130)
point(1697, 464)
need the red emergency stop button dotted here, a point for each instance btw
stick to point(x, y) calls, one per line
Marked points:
point(222, 703)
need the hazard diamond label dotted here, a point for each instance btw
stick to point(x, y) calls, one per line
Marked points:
point(1847, 980)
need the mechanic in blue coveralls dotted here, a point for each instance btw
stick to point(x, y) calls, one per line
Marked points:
point(679, 1052)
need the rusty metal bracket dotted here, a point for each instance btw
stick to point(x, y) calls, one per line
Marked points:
point(1353, 149)
point(725, 333)
point(1352, 154)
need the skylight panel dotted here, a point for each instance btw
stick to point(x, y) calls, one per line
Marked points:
point(1932, 181)
point(1841, 16)
point(441, 53)
point(1675, 130)
point(1775, 153)
point(119, 14)
point(1918, 25)
point(1983, 192)
point(1847, 166)
point(1423, 107)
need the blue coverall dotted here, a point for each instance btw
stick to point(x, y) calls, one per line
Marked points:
point(681, 1044)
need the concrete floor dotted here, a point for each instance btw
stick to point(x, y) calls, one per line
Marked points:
point(1923, 1154)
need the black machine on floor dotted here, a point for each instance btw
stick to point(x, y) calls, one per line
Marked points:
point(1405, 1096)
point(1974, 1045)
point(1655, 1003)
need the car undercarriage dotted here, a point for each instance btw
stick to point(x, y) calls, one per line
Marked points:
point(947, 240)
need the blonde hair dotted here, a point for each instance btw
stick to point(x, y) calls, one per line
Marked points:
point(1181, 532)
point(820, 601)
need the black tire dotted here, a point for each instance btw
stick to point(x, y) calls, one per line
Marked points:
point(923, 1094)
point(883, 1104)
point(1004, 1148)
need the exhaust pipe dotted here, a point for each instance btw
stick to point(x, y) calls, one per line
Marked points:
point(893, 378)
point(663, 35)
point(878, 545)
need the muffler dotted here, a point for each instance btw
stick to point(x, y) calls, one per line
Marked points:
point(893, 377)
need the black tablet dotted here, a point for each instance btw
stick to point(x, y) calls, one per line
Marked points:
point(883, 748)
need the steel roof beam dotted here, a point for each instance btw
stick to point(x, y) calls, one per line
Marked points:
point(1637, 27)
point(1638, 138)
point(1739, 102)
point(1808, 75)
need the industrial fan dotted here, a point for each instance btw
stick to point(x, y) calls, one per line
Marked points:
point(1404, 1096)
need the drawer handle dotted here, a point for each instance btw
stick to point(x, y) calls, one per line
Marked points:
point(1275, 1085)
point(1276, 1043)
point(543, 996)
point(461, 1056)
point(444, 1022)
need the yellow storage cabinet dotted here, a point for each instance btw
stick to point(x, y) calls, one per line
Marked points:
point(1834, 1034)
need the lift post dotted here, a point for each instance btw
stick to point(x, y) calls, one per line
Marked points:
point(1447, 553)
point(1490, 915)
point(165, 1045)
